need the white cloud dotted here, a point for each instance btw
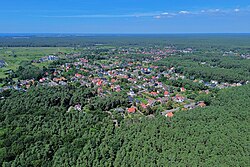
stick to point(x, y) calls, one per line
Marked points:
point(236, 10)
point(165, 13)
point(157, 17)
point(156, 14)
point(213, 11)
point(184, 12)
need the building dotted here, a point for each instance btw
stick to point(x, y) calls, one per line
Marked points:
point(2, 63)
point(131, 110)
point(169, 114)
point(166, 93)
point(201, 104)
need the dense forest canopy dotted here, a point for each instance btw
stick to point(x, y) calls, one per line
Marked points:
point(36, 130)
point(210, 67)
point(208, 41)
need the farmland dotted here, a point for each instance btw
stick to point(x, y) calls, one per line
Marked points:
point(13, 56)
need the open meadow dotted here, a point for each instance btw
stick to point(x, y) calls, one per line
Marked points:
point(13, 56)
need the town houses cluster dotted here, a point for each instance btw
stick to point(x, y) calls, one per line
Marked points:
point(125, 70)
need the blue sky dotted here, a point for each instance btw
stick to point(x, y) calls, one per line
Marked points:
point(125, 16)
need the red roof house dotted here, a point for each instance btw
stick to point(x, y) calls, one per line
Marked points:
point(113, 80)
point(154, 93)
point(131, 110)
point(166, 93)
point(183, 89)
point(170, 114)
point(202, 104)
point(99, 83)
point(143, 105)
point(78, 75)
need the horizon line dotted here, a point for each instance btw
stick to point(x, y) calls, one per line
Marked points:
point(97, 33)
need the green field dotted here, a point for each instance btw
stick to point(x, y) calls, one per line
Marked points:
point(13, 56)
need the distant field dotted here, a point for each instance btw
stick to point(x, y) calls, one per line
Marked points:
point(13, 56)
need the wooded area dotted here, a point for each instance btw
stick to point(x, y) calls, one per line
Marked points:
point(36, 130)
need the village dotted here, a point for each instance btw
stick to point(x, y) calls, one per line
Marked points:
point(136, 76)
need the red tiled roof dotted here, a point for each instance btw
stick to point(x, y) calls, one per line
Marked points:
point(170, 114)
point(183, 89)
point(153, 93)
point(143, 105)
point(99, 83)
point(78, 75)
point(131, 110)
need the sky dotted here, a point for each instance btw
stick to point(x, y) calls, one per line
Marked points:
point(124, 16)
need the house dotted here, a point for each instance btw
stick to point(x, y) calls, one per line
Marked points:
point(154, 93)
point(84, 60)
point(99, 83)
point(169, 114)
point(78, 75)
point(214, 82)
point(183, 89)
point(130, 99)
point(144, 106)
point(206, 91)
point(238, 84)
point(59, 79)
point(201, 104)
point(52, 83)
point(131, 93)
point(151, 102)
point(42, 79)
point(78, 107)
point(2, 63)
point(178, 98)
point(51, 57)
point(117, 88)
point(120, 110)
point(62, 83)
point(48, 58)
point(166, 93)
point(131, 110)
point(113, 80)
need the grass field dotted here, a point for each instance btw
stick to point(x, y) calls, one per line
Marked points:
point(13, 56)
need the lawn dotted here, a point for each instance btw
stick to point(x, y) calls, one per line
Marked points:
point(142, 100)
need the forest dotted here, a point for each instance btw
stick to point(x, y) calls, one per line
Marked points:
point(239, 42)
point(36, 130)
point(210, 67)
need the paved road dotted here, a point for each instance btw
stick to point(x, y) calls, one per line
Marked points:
point(167, 111)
